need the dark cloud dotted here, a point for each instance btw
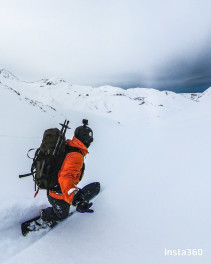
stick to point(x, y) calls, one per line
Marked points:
point(185, 73)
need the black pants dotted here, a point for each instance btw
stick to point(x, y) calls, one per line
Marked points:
point(58, 211)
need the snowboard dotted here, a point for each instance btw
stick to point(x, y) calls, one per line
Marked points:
point(35, 224)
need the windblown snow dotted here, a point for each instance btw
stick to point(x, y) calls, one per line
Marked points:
point(151, 153)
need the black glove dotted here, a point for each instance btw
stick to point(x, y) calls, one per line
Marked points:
point(78, 197)
point(81, 204)
point(83, 207)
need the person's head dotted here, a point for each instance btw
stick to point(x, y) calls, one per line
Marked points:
point(84, 133)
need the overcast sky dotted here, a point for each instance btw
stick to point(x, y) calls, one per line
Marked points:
point(162, 44)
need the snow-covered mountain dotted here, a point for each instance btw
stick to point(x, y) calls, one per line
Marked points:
point(151, 153)
point(103, 101)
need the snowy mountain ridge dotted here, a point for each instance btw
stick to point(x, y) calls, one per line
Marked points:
point(105, 100)
point(7, 75)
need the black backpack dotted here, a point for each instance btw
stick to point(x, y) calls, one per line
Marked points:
point(46, 164)
point(49, 157)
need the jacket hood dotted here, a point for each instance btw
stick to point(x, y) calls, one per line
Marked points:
point(77, 144)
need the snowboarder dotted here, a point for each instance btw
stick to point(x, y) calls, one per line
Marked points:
point(69, 176)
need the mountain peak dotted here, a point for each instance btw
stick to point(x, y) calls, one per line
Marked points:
point(6, 74)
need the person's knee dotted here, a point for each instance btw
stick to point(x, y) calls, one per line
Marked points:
point(48, 214)
point(62, 214)
point(60, 208)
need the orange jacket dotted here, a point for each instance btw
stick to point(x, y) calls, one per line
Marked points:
point(69, 175)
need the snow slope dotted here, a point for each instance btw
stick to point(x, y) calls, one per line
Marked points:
point(151, 153)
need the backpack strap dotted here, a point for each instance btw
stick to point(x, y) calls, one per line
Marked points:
point(30, 151)
point(70, 149)
point(33, 164)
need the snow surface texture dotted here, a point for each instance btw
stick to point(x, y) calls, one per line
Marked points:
point(151, 153)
